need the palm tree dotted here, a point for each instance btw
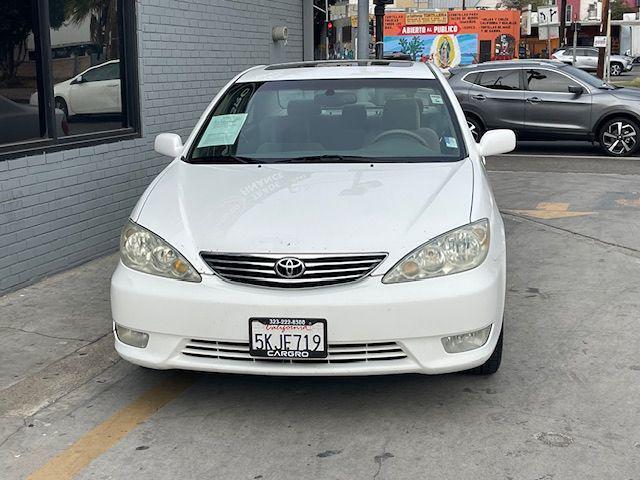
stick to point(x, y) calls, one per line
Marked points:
point(103, 16)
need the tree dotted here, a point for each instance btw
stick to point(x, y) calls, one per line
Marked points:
point(618, 8)
point(15, 27)
point(412, 47)
point(103, 22)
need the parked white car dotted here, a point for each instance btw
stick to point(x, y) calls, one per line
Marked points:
point(21, 122)
point(587, 59)
point(94, 91)
point(323, 218)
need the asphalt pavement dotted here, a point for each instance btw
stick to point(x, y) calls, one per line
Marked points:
point(563, 406)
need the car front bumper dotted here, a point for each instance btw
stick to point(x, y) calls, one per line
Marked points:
point(364, 320)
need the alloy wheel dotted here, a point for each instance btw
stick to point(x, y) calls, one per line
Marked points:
point(61, 105)
point(620, 137)
point(615, 69)
point(474, 130)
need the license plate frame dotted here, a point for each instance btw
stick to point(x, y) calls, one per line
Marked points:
point(293, 327)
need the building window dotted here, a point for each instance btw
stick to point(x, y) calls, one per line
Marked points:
point(68, 74)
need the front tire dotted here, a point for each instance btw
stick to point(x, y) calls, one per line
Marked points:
point(619, 137)
point(62, 105)
point(615, 69)
point(492, 365)
point(477, 130)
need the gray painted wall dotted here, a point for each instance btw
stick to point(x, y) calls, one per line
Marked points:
point(61, 209)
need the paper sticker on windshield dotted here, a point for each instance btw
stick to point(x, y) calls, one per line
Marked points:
point(450, 142)
point(436, 99)
point(223, 130)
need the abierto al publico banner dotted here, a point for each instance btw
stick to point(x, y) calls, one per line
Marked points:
point(454, 38)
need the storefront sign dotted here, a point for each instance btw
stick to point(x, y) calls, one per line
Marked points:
point(427, 18)
point(467, 36)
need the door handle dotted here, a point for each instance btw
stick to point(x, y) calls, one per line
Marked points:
point(534, 100)
point(480, 97)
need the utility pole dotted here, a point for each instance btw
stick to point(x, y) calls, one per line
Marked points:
point(326, 24)
point(363, 29)
point(379, 12)
point(549, 31)
point(607, 55)
point(576, 25)
point(562, 11)
point(604, 27)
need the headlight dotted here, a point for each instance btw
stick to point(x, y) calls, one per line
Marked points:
point(456, 251)
point(144, 251)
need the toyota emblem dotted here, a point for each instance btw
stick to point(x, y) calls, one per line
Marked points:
point(290, 267)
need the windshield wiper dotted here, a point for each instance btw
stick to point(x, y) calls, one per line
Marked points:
point(325, 159)
point(223, 159)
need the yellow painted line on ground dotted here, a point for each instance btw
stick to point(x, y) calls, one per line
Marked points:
point(629, 202)
point(549, 211)
point(70, 462)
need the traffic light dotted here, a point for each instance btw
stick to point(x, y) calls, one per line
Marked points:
point(331, 32)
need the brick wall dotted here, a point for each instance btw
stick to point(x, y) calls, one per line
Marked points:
point(61, 209)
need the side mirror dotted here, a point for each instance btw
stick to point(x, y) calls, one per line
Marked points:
point(168, 144)
point(576, 89)
point(495, 142)
point(78, 79)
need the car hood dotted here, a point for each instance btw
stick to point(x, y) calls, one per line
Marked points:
point(627, 93)
point(307, 208)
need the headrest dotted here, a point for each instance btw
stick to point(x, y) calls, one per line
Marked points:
point(354, 116)
point(303, 108)
point(401, 113)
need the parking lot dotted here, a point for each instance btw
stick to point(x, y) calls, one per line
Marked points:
point(563, 406)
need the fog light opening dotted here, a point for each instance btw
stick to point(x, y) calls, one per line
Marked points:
point(466, 341)
point(132, 337)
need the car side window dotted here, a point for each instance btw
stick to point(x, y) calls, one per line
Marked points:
point(582, 52)
point(548, 81)
point(110, 71)
point(472, 77)
point(500, 79)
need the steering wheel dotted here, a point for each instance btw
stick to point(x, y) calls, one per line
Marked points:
point(400, 132)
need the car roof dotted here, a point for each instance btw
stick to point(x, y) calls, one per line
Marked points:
point(336, 69)
point(516, 63)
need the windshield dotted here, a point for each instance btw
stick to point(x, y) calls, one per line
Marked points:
point(343, 120)
point(586, 77)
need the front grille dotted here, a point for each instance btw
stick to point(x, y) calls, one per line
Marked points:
point(321, 270)
point(336, 353)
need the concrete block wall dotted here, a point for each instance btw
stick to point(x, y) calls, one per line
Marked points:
point(60, 209)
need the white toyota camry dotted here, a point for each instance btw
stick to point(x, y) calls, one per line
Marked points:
point(323, 218)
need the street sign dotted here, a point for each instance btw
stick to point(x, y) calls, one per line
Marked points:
point(600, 41)
point(525, 23)
point(548, 23)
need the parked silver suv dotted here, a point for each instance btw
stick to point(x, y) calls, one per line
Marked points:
point(548, 100)
point(587, 59)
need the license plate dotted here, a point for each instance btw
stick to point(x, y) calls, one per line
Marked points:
point(288, 338)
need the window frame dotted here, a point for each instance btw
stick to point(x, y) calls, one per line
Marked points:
point(129, 85)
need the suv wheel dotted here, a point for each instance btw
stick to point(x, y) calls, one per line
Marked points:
point(615, 69)
point(476, 128)
point(62, 105)
point(619, 137)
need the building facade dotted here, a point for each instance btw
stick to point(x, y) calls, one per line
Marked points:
point(78, 114)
